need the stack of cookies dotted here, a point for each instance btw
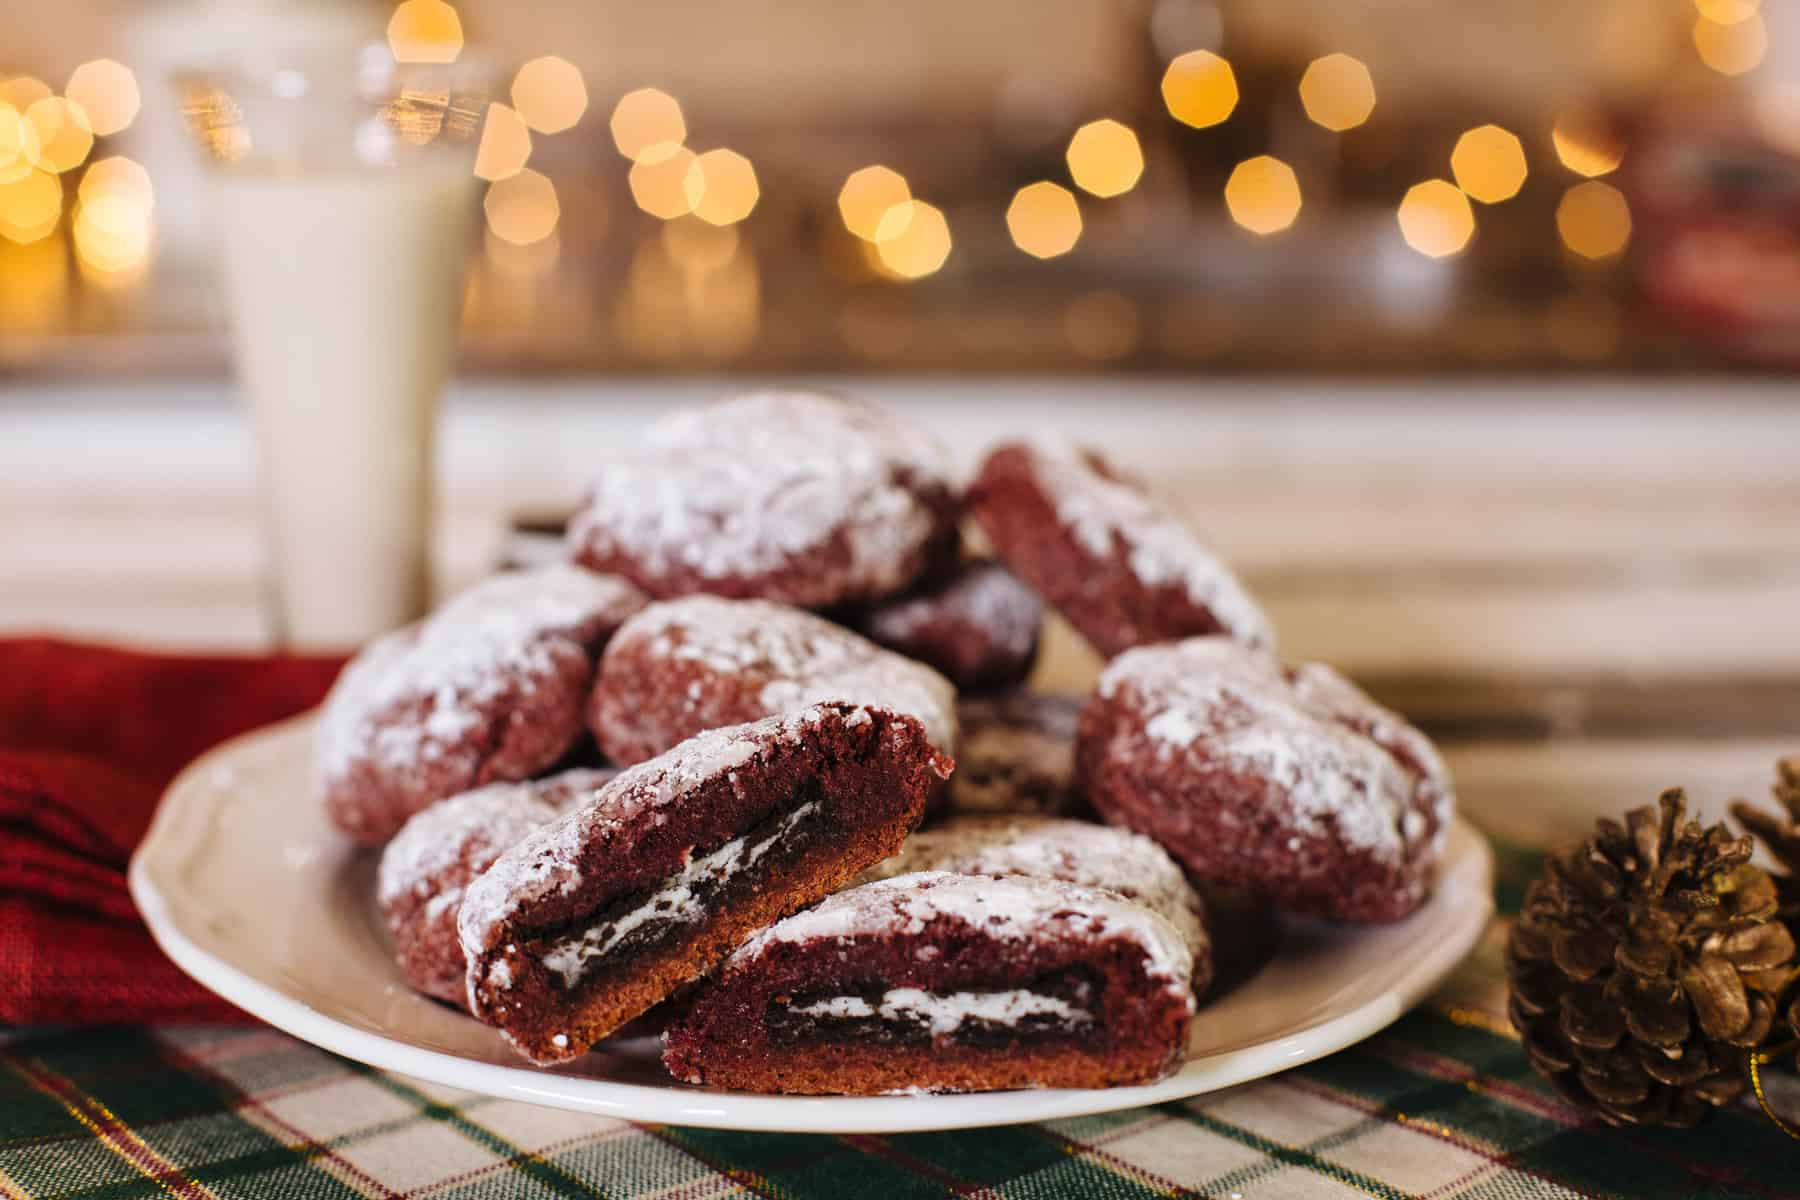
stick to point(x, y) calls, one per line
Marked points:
point(673, 782)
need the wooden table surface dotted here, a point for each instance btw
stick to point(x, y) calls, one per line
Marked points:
point(1587, 590)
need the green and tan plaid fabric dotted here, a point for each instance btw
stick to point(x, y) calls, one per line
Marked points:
point(1442, 1105)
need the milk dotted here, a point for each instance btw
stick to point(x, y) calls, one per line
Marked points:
point(345, 288)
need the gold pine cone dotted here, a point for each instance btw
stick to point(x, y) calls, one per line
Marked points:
point(1639, 968)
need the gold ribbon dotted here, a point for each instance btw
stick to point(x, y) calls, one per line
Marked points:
point(1757, 1062)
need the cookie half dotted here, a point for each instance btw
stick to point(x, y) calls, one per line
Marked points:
point(594, 918)
point(938, 982)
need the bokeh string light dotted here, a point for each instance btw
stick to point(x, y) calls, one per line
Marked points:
point(912, 239)
point(1435, 218)
point(1731, 49)
point(425, 31)
point(1586, 145)
point(1199, 89)
point(867, 195)
point(645, 118)
point(1044, 219)
point(659, 180)
point(18, 145)
point(1263, 195)
point(1594, 220)
point(548, 93)
point(721, 187)
point(1105, 159)
point(505, 144)
point(30, 207)
point(522, 208)
point(1337, 92)
point(108, 94)
point(1489, 164)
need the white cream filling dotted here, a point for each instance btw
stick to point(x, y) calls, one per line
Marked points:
point(945, 1012)
point(672, 902)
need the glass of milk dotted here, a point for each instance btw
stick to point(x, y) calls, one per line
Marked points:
point(343, 195)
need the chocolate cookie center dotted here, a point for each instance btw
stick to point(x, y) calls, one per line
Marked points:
point(1059, 1005)
point(642, 920)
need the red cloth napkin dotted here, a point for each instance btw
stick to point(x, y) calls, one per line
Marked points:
point(89, 736)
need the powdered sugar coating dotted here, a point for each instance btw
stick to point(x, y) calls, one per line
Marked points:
point(978, 625)
point(489, 687)
point(426, 867)
point(1080, 852)
point(1013, 907)
point(1247, 760)
point(685, 665)
point(803, 497)
point(548, 861)
point(1121, 565)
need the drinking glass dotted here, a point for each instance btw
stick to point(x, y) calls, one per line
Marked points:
point(344, 197)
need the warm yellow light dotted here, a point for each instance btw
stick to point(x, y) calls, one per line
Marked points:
point(108, 92)
point(112, 232)
point(18, 145)
point(646, 118)
point(659, 180)
point(912, 239)
point(522, 208)
point(425, 31)
point(1105, 158)
point(116, 176)
point(1102, 325)
point(1044, 219)
point(1337, 92)
point(1731, 49)
point(30, 207)
point(1593, 220)
point(22, 91)
point(1263, 195)
point(868, 193)
point(1728, 12)
point(694, 245)
point(1489, 164)
point(1199, 89)
point(1586, 146)
point(505, 144)
point(549, 93)
point(721, 187)
point(1435, 218)
point(63, 133)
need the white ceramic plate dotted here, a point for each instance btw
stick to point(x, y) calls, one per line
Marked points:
point(253, 894)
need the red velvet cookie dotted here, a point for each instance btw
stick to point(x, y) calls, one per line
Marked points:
point(425, 868)
point(800, 497)
point(1098, 856)
point(938, 982)
point(1116, 562)
point(1017, 755)
point(1287, 781)
point(977, 625)
point(594, 918)
point(700, 662)
point(488, 688)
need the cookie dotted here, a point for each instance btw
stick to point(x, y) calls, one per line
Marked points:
point(1288, 781)
point(938, 982)
point(700, 662)
point(1117, 563)
point(1098, 856)
point(977, 626)
point(489, 688)
point(799, 497)
point(1017, 755)
point(595, 917)
point(424, 869)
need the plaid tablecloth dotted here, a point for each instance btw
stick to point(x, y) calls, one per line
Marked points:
point(1441, 1105)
